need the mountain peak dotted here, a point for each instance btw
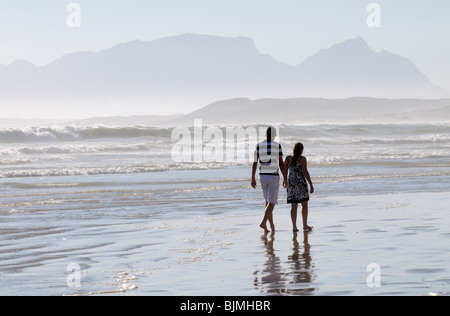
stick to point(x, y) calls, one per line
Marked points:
point(355, 44)
point(21, 64)
point(204, 39)
point(346, 50)
point(190, 69)
point(196, 36)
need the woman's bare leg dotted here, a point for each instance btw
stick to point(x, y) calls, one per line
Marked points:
point(305, 216)
point(294, 210)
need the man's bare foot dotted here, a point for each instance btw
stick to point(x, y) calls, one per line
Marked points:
point(296, 230)
point(308, 228)
point(272, 227)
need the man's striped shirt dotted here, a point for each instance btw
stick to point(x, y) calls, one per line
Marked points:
point(268, 154)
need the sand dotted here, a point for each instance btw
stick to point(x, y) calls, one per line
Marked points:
point(403, 238)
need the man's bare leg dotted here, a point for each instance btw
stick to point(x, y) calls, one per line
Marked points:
point(268, 216)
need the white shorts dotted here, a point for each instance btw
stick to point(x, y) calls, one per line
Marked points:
point(271, 186)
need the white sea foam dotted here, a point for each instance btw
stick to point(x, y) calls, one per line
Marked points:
point(56, 172)
point(70, 134)
point(74, 151)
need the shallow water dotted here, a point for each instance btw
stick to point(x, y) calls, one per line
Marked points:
point(190, 240)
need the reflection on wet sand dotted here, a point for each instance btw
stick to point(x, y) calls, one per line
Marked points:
point(295, 279)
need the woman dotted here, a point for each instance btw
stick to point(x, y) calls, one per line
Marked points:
point(297, 185)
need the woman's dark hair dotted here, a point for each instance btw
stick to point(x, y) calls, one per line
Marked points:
point(297, 152)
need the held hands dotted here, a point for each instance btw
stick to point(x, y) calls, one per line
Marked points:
point(253, 184)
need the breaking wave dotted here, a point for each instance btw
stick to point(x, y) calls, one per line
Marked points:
point(70, 134)
point(58, 172)
point(364, 134)
point(71, 151)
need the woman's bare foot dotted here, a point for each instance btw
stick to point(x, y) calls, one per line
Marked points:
point(296, 230)
point(265, 228)
point(308, 228)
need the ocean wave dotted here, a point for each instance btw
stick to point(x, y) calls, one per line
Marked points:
point(328, 133)
point(70, 134)
point(382, 158)
point(27, 161)
point(74, 149)
point(366, 177)
point(78, 151)
point(403, 141)
point(60, 172)
point(30, 204)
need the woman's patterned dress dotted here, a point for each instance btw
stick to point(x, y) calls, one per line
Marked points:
point(297, 186)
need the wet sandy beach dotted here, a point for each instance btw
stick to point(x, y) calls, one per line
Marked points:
point(397, 244)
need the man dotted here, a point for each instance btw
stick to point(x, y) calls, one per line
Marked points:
point(269, 155)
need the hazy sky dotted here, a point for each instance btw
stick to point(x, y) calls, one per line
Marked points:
point(289, 30)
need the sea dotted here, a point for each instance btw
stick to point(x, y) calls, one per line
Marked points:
point(75, 200)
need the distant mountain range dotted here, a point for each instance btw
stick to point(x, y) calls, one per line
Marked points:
point(244, 111)
point(316, 111)
point(188, 71)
